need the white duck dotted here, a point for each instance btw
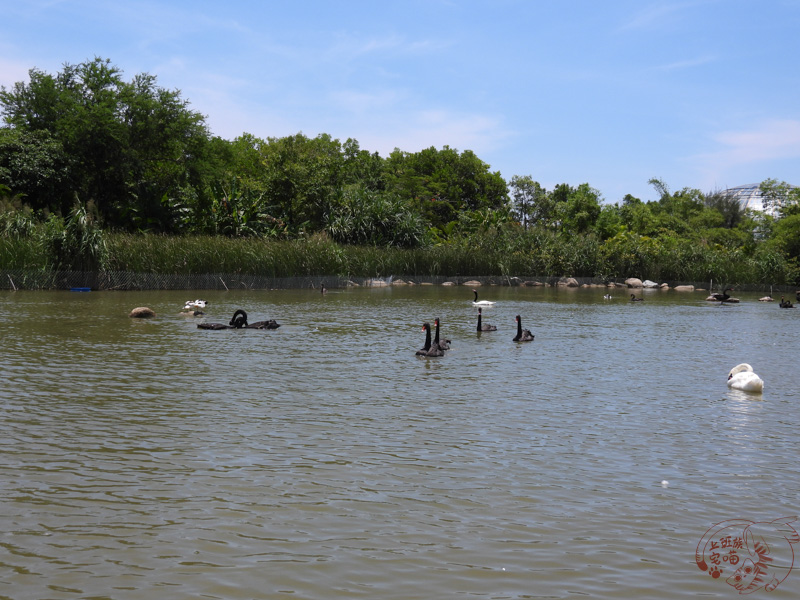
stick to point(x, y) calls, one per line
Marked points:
point(476, 302)
point(743, 378)
point(194, 305)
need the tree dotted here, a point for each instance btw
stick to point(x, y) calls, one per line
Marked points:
point(527, 194)
point(33, 164)
point(445, 183)
point(581, 210)
point(778, 196)
point(131, 148)
point(727, 205)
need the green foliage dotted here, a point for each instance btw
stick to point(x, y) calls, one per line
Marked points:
point(239, 211)
point(529, 199)
point(778, 197)
point(85, 131)
point(74, 244)
point(444, 183)
point(145, 162)
point(364, 217)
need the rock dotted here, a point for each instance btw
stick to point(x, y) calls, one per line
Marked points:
point(568, 282)
point(142, 312)
point(730, 300)
point(684, 288)
point(664, 286)
point(633, 282)
point(649, 284)
point(448, 283)
point(472, 283)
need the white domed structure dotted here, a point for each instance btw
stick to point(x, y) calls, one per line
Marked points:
point(750, 196)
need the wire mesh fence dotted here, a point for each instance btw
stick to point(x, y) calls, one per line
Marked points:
point(125, 280)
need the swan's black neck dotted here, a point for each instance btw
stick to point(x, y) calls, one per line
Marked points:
point(427, 329)
point(239, 319)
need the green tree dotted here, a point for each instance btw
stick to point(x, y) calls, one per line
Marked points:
point(131, 148)
point(778, 196)
point(527, 195)
point(727, 205)
point(444, 183)
point(580, 211)
point(33, 165)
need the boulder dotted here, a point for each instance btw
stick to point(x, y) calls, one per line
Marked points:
point(684, 288)
point(634, 282)
point(568, 282)
point(472, 283)
point(142, 312)
point(649, 284)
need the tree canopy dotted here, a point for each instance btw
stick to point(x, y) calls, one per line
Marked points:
point(96, 149)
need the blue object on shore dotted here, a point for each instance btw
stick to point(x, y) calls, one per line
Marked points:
point(80, 289)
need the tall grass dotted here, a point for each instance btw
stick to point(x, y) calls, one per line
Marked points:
point(522, 254)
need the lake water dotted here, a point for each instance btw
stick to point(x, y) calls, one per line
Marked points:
point(146, 459)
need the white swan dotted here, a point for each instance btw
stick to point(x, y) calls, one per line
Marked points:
point(743, 378)
point(476, 302)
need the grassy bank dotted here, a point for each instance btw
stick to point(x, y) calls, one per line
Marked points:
point(525, 254)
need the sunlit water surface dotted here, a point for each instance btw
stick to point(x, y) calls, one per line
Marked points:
point(150, 459)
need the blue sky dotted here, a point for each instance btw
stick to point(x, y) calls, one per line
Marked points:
point(699, 93)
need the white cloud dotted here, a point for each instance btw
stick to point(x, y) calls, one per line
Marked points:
point(686, 64)
point(653, 16)
point(749, 154)
point(772, 140)
point(418, 130)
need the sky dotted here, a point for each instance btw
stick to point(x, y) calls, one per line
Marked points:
point(700, 94)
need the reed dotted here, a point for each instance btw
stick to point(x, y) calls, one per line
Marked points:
point(518, 253)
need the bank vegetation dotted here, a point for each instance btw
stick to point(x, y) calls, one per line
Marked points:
point(102, 174)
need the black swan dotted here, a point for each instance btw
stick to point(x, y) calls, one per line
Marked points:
point(635, 299)
point(723, 296)
point(785, 303)
point(523, 335)
point(428, 349)
point(482, 302)
point(238, 321)
point(441, 344)
point(214, 326)
point(484, 327)
point(270, 324)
